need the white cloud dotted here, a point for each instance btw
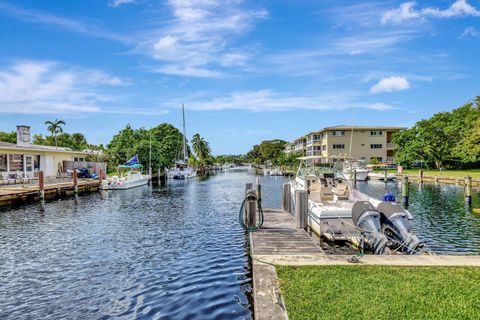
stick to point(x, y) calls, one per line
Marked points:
point(35, 16)
point(268, 101)
point(117, 3)
point(199, 35)
point(46, 87)
point(470, 32)
point(390, 84)
point(406, 11)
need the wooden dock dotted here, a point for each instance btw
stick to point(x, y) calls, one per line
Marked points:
point(277, 237)
point(17, 194)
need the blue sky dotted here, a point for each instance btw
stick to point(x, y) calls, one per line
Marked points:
point(246, 70)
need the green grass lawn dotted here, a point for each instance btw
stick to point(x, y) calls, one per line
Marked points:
point(380, 292)
point(447, 173)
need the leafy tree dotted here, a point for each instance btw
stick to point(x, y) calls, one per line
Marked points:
point(469, 147)
point(10, 137)
point(55, 127)
point(268, 150)
point(201, 148)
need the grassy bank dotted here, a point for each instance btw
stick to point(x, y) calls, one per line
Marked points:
point(448, 173)
point(380, 292)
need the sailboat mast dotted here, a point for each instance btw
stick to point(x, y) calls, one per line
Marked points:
point(185, 156)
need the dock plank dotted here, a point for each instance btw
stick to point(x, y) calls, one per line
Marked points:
point(279, 236)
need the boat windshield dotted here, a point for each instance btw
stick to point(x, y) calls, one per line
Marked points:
point(312, 168)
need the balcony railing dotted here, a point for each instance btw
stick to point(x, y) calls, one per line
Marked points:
point(391, 146)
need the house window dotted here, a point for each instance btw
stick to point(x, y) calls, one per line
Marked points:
point(16, 162)
point(363, 144)
point(36, 163)
point(81, 159)
point(338, 133)
point(338, 146)
point(3, 163)
point(375, 146)
point(376, 133)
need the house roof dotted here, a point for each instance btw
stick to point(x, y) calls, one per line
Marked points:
point(34, 147)
point(349, 127)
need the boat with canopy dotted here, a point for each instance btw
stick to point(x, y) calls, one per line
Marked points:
point(129, 176)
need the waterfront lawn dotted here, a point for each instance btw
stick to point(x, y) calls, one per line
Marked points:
point(380, 292)
point(475, 173)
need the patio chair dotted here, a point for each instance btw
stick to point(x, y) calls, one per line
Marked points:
point(6, 179)
point(21, 178)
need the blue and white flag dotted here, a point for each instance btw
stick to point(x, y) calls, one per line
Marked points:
point(132, 161)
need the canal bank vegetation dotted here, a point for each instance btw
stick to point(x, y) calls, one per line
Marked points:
point(380, 292)
point(447, 139)
point(271, 152)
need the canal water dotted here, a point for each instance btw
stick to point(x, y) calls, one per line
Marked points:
point(174, 252)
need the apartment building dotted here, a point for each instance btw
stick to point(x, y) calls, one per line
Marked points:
point(367, 143)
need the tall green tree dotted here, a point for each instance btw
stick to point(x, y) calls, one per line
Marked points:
point(10, 137)
point(201, 148)
point(55, 127)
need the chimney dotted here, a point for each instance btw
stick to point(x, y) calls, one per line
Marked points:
point(23, 136)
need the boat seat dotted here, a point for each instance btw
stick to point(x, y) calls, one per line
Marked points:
point(315, 196)
point(326, 194)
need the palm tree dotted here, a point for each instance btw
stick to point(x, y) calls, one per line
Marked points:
point(201, 147)
point(55, 127)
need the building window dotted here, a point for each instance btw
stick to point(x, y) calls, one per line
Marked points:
point(378, 159)
point(338, 146)
point(36, 163)
point(3, 163)
point(363, 144)
point(362, 158)
point(81, 159)
point(338, 133)
point(376, 133)
point(16, 162)
point(375, 146)
point(324, 147)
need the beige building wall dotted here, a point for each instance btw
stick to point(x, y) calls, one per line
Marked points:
point(365, 144)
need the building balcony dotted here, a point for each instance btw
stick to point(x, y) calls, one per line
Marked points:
point(391, 146)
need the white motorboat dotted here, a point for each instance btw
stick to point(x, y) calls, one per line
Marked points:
point(276, 172)
point(182, 170)
point(381, 176)
point(339, 212)
point(133, 178)
point(355, 168)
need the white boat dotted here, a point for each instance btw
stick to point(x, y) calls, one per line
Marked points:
point(182, 171)
point(276, 172)
point(339, 212)
point(381, 176)
point(133, 178)
point(355, 168)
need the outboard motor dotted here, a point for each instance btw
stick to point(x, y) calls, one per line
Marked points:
point(367, 218)
point(396, 225)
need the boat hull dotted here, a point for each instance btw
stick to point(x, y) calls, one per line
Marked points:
point(124, 185)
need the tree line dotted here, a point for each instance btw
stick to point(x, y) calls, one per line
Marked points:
point(447, 139)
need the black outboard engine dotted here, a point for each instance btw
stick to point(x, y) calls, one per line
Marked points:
point(367, 219)
point(396, 225)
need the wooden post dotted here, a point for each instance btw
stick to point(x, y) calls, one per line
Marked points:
point(259, 190)
point(354, 176)
point(420, 176)
point(41, 184)
point(286, 197)
point(301, 209)
point(250, 205)
point(405, 190)
point(75, 181)
point(100, 178)
point(385, 176)
point(468, 190)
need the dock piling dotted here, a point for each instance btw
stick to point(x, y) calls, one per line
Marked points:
point(420, 176)
point(301, 209)
point(385, 176)
point(354, 176)
point(100, 177)
point(259, 190)
point(75, 181)
point(250, 205)
point(286, 197)
point(468, 190)
point(41, 184)
point(405, 190)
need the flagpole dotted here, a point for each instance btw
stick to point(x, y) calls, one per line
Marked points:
point(150, 157)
